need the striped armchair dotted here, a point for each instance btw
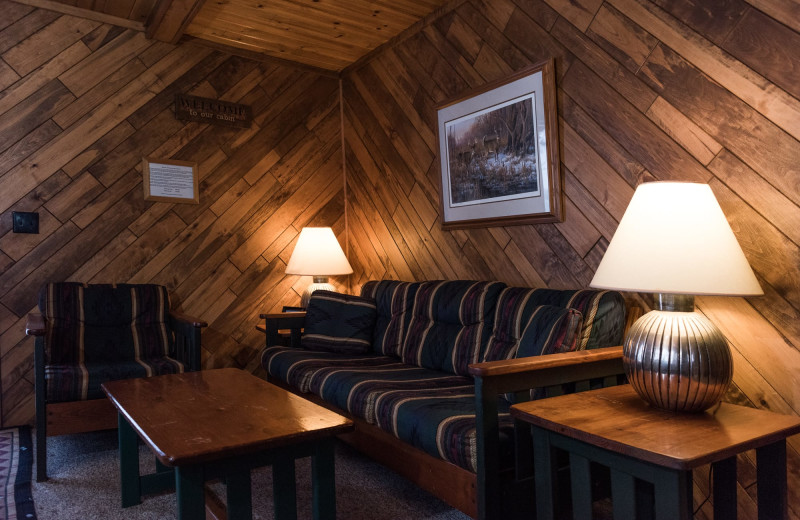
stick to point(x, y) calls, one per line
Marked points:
point(87, 335)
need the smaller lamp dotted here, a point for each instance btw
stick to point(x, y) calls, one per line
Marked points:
point(318, 254)
point(674, 241)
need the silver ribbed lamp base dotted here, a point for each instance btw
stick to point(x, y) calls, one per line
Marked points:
point(677, 359)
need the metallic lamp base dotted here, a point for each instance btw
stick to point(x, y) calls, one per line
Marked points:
point(320, 284)
point(676, 360)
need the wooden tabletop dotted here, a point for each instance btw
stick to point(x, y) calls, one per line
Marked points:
point(215, 414)
point(617, 419)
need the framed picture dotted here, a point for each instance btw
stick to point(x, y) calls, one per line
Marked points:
point(166, 180)
point(499, 153)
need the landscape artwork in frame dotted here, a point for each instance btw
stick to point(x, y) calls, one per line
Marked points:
point(498, 153)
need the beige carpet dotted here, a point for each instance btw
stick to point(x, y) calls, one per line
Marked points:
point(84, 484)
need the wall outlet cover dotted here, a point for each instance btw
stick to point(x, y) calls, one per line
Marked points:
point(25, 222)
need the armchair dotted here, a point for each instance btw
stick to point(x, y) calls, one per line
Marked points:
point(89, 334)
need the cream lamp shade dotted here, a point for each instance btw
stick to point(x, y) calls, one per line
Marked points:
point(318, 254)
point(675, 241)
point(674, 238)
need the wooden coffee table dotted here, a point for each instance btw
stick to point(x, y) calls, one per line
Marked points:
point(221, 424)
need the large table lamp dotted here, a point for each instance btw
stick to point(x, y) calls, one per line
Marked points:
point(318, 254)
point(675, 242)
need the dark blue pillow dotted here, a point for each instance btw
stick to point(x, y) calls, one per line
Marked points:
point(339, 323)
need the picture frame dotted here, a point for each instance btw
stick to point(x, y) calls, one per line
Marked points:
point(498, 153)
point(168, 180)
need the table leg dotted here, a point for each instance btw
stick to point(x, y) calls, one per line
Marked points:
point(724, 488)
point(283, 489)
point(240, 504)
point(128, 463)
point(581, 482)
point(673, 490)
point(544, 471)
point(623, 494)
point(189, 487)
point(771, 475)
point(323, 478)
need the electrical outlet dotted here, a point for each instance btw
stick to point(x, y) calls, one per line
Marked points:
point(25, 222)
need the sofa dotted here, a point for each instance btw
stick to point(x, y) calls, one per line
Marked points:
point(428, 372)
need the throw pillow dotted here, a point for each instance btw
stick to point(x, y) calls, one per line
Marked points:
point(339, 323)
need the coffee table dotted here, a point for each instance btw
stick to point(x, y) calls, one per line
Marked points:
point(221, 424)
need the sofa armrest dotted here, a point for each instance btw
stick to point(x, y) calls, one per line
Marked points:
point(35, 325)
point(518, 375)
point(187, 338)
point(279, 325)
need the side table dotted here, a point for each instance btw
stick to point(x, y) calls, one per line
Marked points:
point(615, 428)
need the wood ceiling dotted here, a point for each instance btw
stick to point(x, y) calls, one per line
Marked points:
point(324, 34)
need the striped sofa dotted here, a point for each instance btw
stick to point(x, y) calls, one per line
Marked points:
point(416, 378)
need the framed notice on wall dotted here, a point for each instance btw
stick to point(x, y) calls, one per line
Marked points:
point(166, 180)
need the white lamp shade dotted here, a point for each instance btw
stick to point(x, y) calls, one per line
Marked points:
point(318, 253)
point(674, 238)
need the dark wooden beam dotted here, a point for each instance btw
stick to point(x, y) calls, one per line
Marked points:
point(170, 18)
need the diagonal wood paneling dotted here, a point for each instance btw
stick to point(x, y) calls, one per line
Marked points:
point(81, 103)
point(658, 90)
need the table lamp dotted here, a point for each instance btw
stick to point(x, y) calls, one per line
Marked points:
point(318, 254)
point(675, 242)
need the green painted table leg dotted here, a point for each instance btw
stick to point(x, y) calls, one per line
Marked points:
point(771, 474)
point(128, 463)
point(283, 489)
point(724, 489)
point(323, 481)
point(581, 481)
point(623, 495)
point(190, 493)
point(544, 471)
point(239, 499)
point(673, 500)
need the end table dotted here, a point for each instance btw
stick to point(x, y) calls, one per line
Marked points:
point(614, 427)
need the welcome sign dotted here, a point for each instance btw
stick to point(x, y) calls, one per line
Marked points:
point(213, 111)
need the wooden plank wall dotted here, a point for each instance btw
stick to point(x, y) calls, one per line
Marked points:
point(80, 104)
point(667, 90)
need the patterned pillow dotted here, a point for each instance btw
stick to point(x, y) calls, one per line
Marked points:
point(339, 323)
point(524, 328)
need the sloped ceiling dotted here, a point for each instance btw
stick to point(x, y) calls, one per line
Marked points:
point(324, 34)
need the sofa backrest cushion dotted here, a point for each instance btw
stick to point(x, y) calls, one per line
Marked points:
point(451, 324)
point(339, 323)
point(394, 301)
point(603, 313)
point(522, 328)
point(105, 323)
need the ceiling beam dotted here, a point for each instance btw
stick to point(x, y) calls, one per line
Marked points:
point(71, 10)
point(170, 18)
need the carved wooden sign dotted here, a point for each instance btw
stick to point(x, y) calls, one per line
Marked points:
point(213, 111)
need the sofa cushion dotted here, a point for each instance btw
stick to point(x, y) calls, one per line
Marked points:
point(523, 328)
point(431, 410)
point(102, 331)
point(339, 323)
point(394, 301)
point(451, 324)
point(603, 313)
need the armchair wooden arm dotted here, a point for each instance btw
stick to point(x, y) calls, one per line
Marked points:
point(35, 325)
point(187, 338)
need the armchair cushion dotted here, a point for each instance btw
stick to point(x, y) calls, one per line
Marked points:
point(339, 323)
point(96, 333)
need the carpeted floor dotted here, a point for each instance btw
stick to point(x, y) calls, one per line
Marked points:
point(84, 484)
point(16, 457)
